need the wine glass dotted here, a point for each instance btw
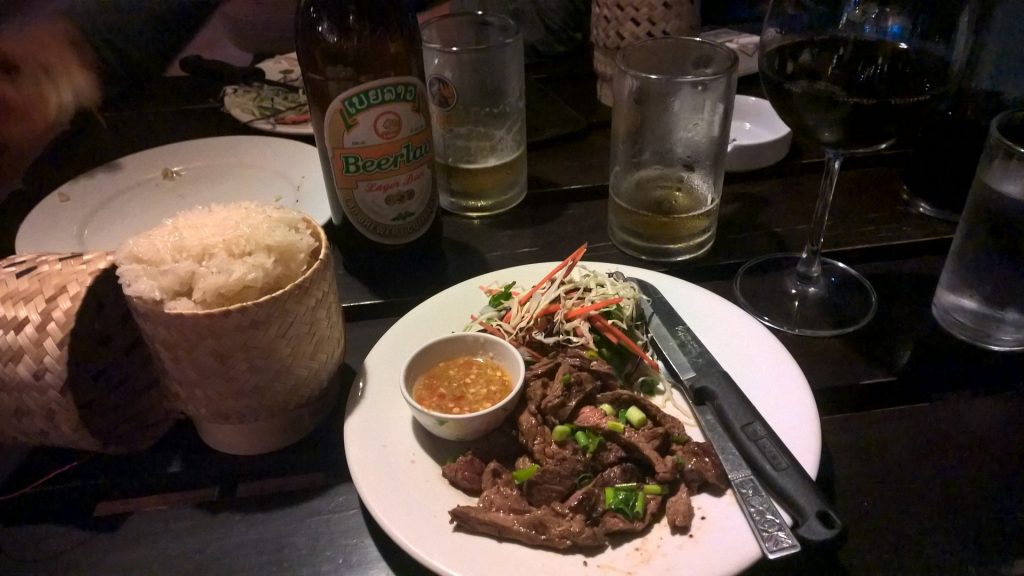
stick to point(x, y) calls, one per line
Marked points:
point(852, 75)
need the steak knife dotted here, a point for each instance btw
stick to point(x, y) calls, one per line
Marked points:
point(707, 385)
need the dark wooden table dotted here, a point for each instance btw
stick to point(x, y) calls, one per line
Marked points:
point(922, 433)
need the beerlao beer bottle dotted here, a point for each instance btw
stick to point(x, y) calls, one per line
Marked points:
point(363, 72)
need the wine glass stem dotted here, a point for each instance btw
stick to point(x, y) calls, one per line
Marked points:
point(808, 269)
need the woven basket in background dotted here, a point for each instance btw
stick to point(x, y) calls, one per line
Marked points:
point(74, 370)
point(253, 377)
point(617, 23)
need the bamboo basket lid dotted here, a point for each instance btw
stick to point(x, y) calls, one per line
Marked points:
point(74, 370)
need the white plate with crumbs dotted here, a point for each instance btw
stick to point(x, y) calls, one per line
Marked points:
point(103, 207)
point(396, 465)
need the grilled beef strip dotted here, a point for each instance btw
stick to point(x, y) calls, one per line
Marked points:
point(615, 523)
point(500, 492)
point(679, 510)
point(465, 473)
point(569, 389)
point(544, 527)
point(700, 467)
point(624, 399)
point(556, 479)
point(596, 367)
point(643, 444)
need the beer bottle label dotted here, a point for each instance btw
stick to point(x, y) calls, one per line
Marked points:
point(382, 156)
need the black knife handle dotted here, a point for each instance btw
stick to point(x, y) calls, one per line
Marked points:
point(816, 523)
point(196, 65)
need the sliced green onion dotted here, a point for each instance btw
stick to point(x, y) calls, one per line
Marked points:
point(588, 440)
point(523, 474)
point(616, 426)
point(561, 433)
point(654, 489)
point(592, 354)
point(622, 415)
point(566, 378)
point(636, 417)
point(584, 479)
point(607, 408)
point(581, 438)
point(679, 439)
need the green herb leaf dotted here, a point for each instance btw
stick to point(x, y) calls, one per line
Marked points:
point(626, 499)
point(499, 298)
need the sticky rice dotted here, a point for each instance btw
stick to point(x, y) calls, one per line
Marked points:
point(215, 256)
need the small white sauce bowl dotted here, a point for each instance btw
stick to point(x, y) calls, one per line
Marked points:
point(462, 427)
point(757, 136)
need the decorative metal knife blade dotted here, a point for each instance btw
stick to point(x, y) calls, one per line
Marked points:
point(770, 528)
point(711, 390)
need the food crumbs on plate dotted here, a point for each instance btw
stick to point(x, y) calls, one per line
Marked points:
point(63, 197)
point(171, 174)
point(278, 198)
point(585, 563)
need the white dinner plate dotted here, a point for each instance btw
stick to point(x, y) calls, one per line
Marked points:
point(106, 205)
point(282, 68)
point(396, 465)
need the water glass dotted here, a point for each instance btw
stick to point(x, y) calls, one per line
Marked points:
point(476, 87)
point(670, 129)
point(980, 297)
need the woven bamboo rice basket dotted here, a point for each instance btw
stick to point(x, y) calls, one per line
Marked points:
point(618, 23)
point(74, 370)
point(257, 376)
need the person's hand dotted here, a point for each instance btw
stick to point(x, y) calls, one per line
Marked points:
point(47, 74)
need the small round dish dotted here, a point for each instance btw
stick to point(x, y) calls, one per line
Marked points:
point(463, 427)
point(757, 137)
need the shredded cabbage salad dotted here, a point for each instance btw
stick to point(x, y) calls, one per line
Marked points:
point(575, 291)
point(262, 102)
point(572, 306)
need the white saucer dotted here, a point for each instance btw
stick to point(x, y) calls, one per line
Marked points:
point(758, 137)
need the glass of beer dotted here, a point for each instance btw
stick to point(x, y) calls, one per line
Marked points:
point(475, 85)
point(670, 129)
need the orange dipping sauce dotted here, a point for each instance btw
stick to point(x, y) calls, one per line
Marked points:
point(462, 385)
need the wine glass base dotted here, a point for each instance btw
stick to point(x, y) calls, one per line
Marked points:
point(840, 301)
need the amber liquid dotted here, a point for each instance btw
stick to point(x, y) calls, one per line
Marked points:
point(659, 214)
point(341, 44)
point(486, 188)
